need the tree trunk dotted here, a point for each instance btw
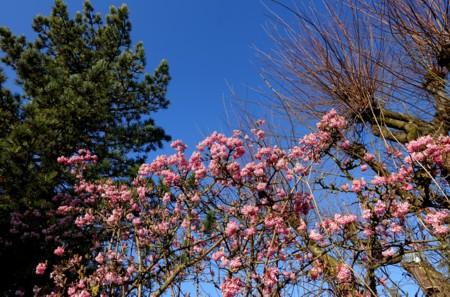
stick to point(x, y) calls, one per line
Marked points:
point(432, 282)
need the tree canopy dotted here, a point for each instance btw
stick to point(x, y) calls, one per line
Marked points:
point(358, 207)
point(385, 66)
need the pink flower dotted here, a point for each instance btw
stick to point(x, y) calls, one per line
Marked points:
point(131, 269)
point(344, 219)
point(407, 187)
point(302, 226)
point(235, 263)
point(303, 203)
point(330, 226)
point(217, 255)
point(258, 133)
point(427, 149)
point(162, 227)
point(388, 253)
point(368, 232)
point(346, 144)
point(249, 210)
point(331, 120)
point(137, 222)
point(419, 144)
point(170, 177)
point(345, 187)
point(368, 157)
point(437, 220)
point(64, 209)
point(259, 172)
point(396, 228)
point(261, 187)
point(231, 287)
point(440, 229)
point(87, 219)
point(400, 209)
point(250, 231)
point(312, 145)
point(100, 258)
point(141, 192)
point(378, 180)
point(383, 281)
point(314, 235)
point(380, 208)
point(366, 214)
point(358, 185)
point(232, 228)
point(271, 276)
point(260, 122)
point(344, 274)
point(195, 198)
point(437, 217)
point(59, 251)
point(40, 268)
point(71, 291)
point(178, 145)
point(315, 272)
point(166, 198)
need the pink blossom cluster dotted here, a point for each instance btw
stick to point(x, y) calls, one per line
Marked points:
point(438, 220)
point(312, 145)
point(231, 287)
point(358, 185)
point(429, 150)
point(232, 228)
point(332, 121)
point(238, 212)
point(344, 274)
point(343, 220)
point(83, 156)
point(40, 268)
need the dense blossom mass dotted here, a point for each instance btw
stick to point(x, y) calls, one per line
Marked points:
point(249, 218)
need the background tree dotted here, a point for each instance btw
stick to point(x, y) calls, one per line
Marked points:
point(383, 64)
point(82, 85)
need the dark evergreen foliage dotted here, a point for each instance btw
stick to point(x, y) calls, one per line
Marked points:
point(83, 85)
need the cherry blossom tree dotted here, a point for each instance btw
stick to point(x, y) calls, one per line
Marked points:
point(252, 219)
point(384, 65)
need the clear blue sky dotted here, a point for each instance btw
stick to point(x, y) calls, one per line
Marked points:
point(208, 44)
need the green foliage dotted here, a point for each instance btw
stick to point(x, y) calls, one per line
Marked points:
point(83, 85)
point(209, 221)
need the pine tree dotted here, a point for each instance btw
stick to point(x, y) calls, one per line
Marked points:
point(82, 84)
